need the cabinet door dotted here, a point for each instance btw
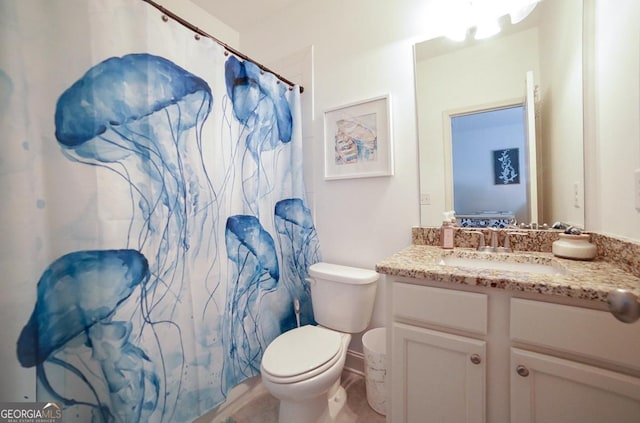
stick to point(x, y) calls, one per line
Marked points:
point(437, 377)
point(550, 389)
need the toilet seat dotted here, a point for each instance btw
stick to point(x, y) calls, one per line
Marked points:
point(301, 353)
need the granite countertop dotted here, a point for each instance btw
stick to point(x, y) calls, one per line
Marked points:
point(585, 280)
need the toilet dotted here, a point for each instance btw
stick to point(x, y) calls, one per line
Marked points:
point(302, 367)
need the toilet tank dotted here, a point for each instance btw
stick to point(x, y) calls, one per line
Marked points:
point(342, 296)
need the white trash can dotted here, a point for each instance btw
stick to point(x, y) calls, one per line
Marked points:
point(375, 368)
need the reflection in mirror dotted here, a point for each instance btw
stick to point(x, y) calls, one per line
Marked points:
point(456, 79)
point(490, 175)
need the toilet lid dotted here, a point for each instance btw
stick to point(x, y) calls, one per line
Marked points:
point(300, 350)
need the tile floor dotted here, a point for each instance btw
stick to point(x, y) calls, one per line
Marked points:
point(263, 408)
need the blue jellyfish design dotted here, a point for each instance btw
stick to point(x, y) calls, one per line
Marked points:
point(259, 101)
point(253, 254)
point(260, 105)
point(132, 114)
point(141, 116)
point(77, 297)
point(300, 249)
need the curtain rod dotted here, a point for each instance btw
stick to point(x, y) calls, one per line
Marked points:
point(226, 46)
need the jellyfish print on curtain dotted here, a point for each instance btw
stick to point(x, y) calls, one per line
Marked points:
point(67, 311)
point(163, 297)
point(130, 113)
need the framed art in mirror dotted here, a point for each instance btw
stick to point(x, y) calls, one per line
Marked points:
point(506, 166)
point(357, 140)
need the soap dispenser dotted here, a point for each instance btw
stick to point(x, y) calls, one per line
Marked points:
point(446, 232)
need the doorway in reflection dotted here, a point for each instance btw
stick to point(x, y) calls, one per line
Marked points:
point(490, 170)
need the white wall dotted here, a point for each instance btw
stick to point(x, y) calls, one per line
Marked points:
point(197, 16)
point(613, 119)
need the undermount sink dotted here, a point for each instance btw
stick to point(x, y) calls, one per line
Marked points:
point(501, 262)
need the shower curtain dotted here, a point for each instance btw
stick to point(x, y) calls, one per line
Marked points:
point(154, 227)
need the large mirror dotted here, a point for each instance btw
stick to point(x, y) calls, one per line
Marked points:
point(462, 88)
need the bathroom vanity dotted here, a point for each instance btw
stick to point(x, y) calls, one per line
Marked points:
point(476, 344)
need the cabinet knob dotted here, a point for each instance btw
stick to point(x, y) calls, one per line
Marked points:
point(475, 359)
point(522, 371)
point(624, 305)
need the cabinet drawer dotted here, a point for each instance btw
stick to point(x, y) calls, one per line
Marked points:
point(448, 308)
point(584, 332)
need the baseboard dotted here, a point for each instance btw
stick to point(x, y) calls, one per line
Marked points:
point(354, 362)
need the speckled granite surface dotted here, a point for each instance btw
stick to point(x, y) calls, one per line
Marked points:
point(617, 265)
point(532, 240)
point(620, 253)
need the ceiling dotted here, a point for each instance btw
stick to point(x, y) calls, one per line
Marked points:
point(239, 14)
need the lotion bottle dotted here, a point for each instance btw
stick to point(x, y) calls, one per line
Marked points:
point(446, 234)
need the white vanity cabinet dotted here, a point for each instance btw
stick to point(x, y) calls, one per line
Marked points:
point(546, 388)
point(585, 370)
point(438, 376)
point(423, 356)
point(483, 355)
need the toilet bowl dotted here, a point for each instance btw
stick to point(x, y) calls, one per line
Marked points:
point(302, 367)
point(303, 371)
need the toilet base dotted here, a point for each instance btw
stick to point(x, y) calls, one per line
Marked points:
point(321, 409)
point(337, 402)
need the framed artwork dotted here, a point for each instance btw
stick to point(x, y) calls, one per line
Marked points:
point(357, 140)
point(506, 166)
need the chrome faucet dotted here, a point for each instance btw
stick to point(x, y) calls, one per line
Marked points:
point(481, 245)
point(493, 246)
point(494, 238)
